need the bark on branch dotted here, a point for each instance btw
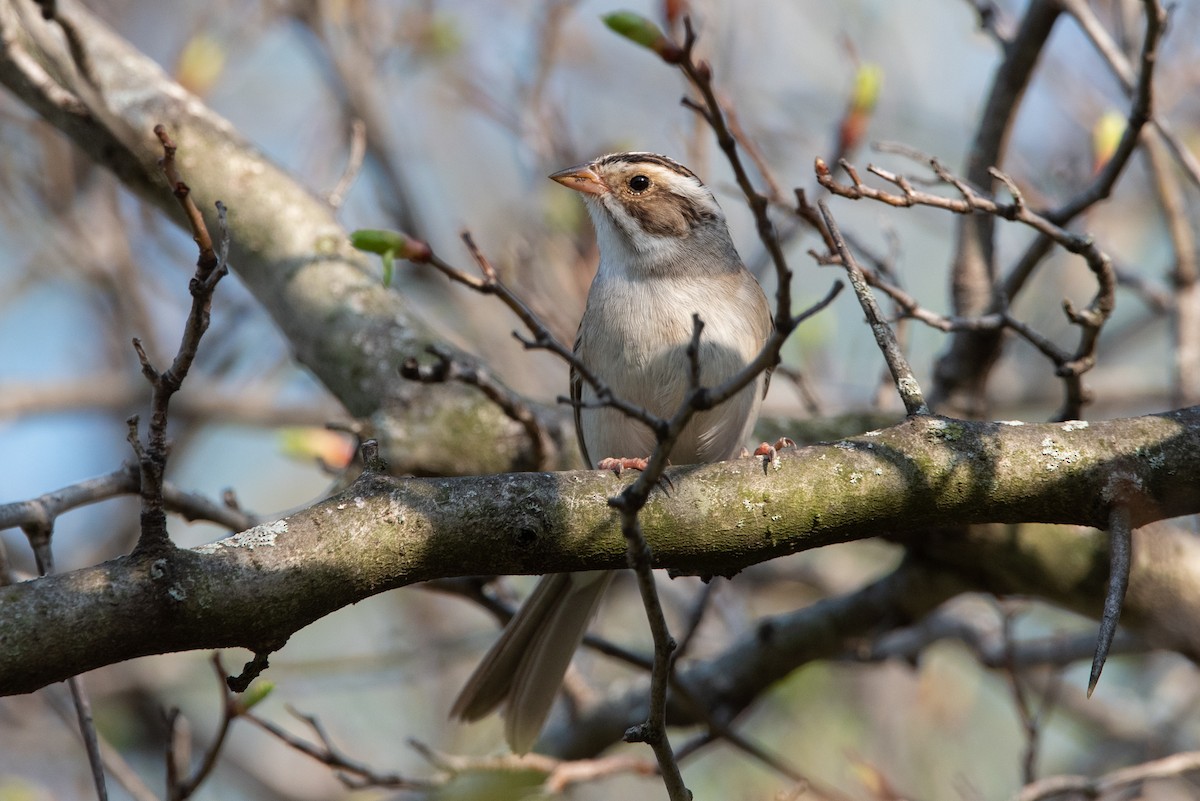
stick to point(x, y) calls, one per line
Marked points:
point(928, 474)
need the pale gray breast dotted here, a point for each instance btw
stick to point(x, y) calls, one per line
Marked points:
point(636, 341)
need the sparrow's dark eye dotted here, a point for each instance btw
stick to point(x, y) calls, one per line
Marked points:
point(639, 183)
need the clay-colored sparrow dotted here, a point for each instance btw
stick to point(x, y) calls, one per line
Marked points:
point(665, 253)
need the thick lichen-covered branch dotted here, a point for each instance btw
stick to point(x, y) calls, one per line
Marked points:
point(258, 587)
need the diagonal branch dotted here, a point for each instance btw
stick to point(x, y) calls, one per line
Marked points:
point(299, 272)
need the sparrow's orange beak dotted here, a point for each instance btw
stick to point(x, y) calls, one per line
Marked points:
point(581, 178)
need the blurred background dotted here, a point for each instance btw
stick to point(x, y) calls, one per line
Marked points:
point(466, 106)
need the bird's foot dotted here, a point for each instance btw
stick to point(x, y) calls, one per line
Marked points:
point(770, 452)
point(618, 465)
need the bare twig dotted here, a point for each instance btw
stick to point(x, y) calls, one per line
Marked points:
point(340, 43)
point(40, 534)
point(577, 771)
point(1170, 767)
point(699, 74)
point(808, 396)
point(122, 481)
point(87, 728)
point(359, 773)
point(490, 284)
point(234, 401)
point(988, 643)
point(1031, 719)
point(449, 368)
point(354, 162)
point(1069, 366)
point(961, 372)
point(699, 608)
point(720, 731)
point(1137, 84)
point(560, 774)
point(993, 20)
point(906, 382)
point(180, 784)
point(152, 458)
point(114, 763)
point(630, 502)
point(1185, 276)
point(1141, 111)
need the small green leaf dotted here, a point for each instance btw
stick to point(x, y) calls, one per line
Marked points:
point(635, 28)
point(371, 240)
point(390, 245)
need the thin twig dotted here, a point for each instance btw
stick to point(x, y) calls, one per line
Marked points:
point(115, 764)
point(698, 398)
point(902, 374)
point(87, 729)
point(560, 774)
point(1031, 721)
point(1137, 84)
point(1139, 88)
point(1171, 767)
point(180, 787)
point(1070, 366)
point(808, 396)
point(354, 164)
point(1185, 277)
point(40, 535)
point(122, 481)
point(361, 775)
point(450, 368)
point(961, 371)
point(987, 643)
point(490, 284)
point(696, 616)
point(699, 74)
point(152, 457)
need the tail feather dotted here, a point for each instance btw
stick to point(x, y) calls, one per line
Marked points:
point(543, 665)
point(526, 665)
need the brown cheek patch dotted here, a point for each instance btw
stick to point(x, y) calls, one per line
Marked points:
point(668, 216)
point(659, 218)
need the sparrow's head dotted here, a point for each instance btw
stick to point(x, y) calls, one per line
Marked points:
point(652, 215)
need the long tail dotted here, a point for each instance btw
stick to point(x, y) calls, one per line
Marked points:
point(527, 664)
